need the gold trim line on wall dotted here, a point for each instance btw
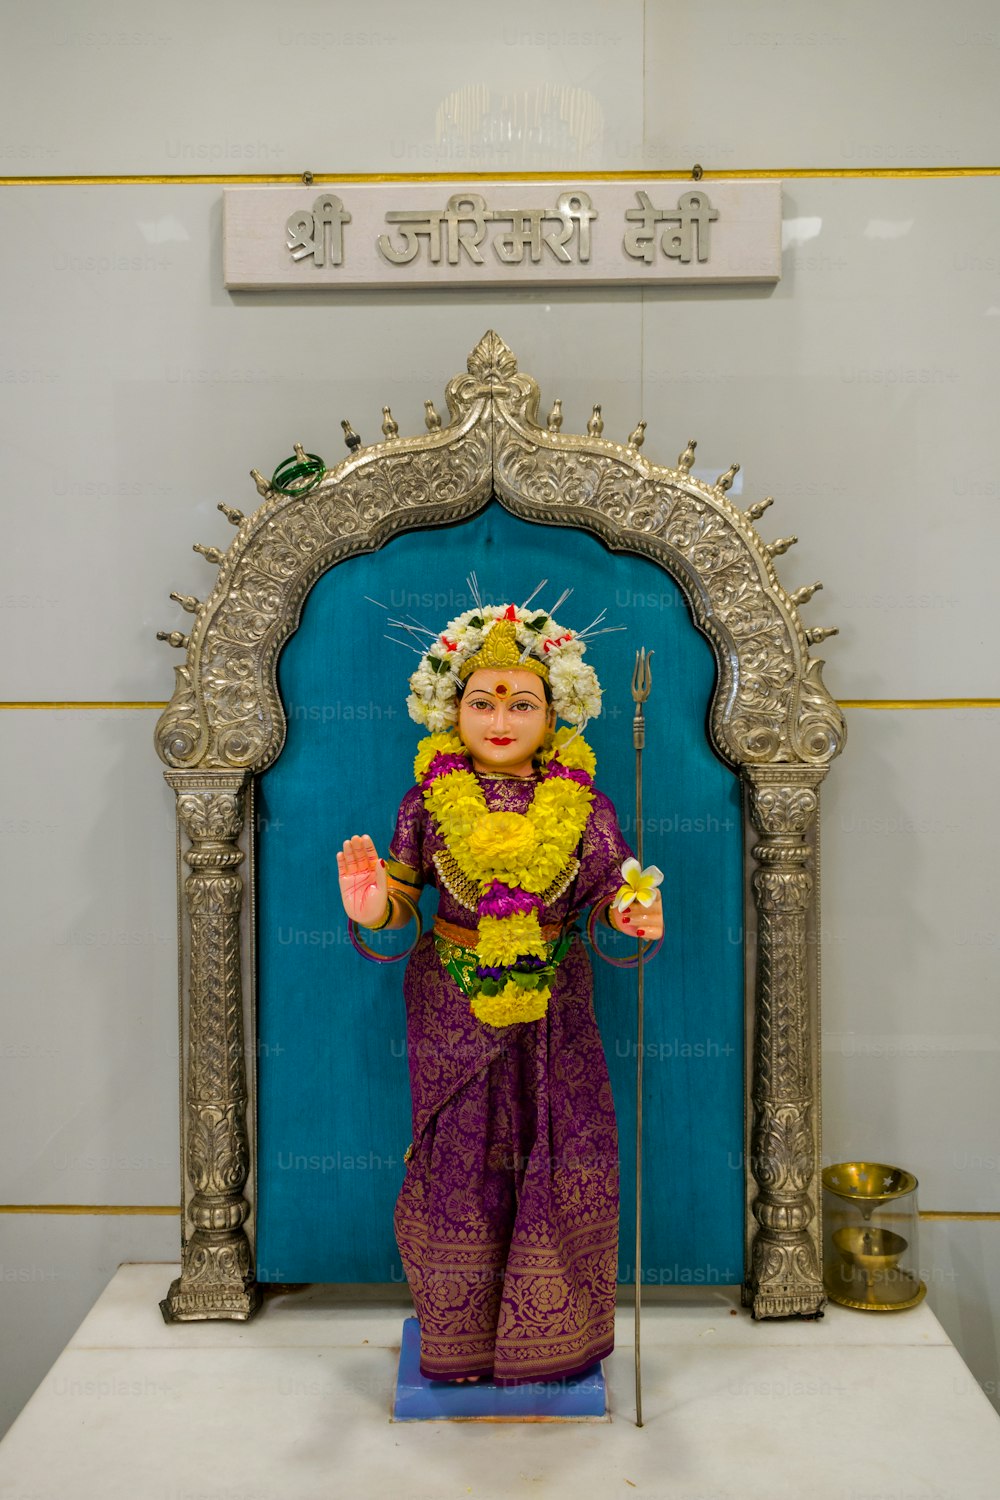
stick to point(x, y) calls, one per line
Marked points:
point(887, 703)
point(707, 175)
point(172, 1209)
point(919, 703)
point(101, 703)
point(944, 1213)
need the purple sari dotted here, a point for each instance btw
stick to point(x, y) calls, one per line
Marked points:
point(507, 1219)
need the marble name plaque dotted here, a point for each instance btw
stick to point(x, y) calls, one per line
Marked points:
point(535, 233)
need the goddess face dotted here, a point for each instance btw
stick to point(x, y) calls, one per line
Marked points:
point(502, 718)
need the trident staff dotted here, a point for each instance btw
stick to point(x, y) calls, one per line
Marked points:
point(639, 885)
point(642, 681)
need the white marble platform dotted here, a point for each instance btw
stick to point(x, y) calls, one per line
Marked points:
point(295, 1406)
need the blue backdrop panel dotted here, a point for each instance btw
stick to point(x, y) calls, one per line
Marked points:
point(333, 1082)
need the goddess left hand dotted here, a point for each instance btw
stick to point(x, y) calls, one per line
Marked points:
point(638, 921)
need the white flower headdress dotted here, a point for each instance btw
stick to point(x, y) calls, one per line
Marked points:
point(545, 647)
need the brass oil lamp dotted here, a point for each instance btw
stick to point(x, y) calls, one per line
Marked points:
point(870, 1236)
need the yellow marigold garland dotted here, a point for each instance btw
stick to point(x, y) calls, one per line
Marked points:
point(523, 851)
point(557, 815)
point(446, 743)
point(501, 939)
point(512, 1004)
point(575, 756)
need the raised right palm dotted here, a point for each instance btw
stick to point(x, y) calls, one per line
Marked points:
point(363, 885)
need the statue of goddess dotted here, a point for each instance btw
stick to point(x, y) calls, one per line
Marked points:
point(507, 1217)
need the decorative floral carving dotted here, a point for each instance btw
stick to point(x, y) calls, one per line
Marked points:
point(770, 704)
point(783, 890)
point(491, 362)
point(217, 1148)
point(222, 1266)
point(180, 730)
point(226, 711)
point(783, 804)
point(783, 808)
point(216, 815)
point(784, 1159)
point(787, 1273)
point(218, 1153)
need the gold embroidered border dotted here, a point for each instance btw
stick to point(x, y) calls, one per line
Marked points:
point(463, 889)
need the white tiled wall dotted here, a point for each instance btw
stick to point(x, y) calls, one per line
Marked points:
point(137, 393)
point(911, 1046)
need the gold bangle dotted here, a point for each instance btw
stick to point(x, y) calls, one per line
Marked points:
point(414, 912)
point(406, 902)
point(377, 926)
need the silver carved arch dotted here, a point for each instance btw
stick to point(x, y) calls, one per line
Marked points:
point(771, 719)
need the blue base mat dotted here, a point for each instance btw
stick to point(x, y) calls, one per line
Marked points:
point(421, 1400)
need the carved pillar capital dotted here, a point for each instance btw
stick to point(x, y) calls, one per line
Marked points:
point(216, 1279)
point(210, 806)
point(785, 1271)
point(783, 799)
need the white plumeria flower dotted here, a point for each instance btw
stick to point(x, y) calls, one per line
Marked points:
point(640, 884)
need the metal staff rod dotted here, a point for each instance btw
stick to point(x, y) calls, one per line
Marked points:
point(642, 681)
